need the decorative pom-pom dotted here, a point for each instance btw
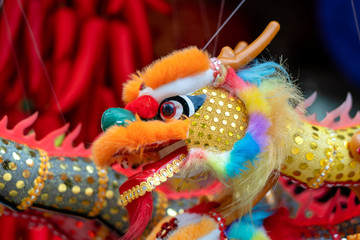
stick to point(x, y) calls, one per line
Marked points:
point(145, 106)
point(233, 81)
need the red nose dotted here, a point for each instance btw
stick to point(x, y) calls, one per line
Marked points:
point(145, 106)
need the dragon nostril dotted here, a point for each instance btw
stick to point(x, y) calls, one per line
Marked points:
point(116, 116)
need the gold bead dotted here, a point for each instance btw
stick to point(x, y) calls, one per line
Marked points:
point(76, 189)
point(109, 194)
point(13, 193)
point(62, 187)
point(20, 184)
point(294, 150)
point(309, 156)
point(7, 177)
point(313, 145)
point(299, 140)
point(89, 191)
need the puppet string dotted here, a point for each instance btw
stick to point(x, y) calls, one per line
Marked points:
point(222, 26)
point(218, 25)
point(37, 52)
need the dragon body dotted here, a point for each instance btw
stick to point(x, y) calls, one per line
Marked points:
point(67, 182)
point(320, 156)
point(192, 123)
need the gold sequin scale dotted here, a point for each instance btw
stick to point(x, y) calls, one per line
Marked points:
point(219, 123)
point(318, 154)
point(72, 185)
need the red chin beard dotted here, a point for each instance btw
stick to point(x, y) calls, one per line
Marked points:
point(140, 209)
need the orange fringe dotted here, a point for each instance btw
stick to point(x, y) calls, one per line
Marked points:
point(178, 64)
point(131, 89)
point(134, 136)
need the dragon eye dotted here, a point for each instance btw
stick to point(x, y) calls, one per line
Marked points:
point(171, 109)
point(177, 106)
point(168, 109)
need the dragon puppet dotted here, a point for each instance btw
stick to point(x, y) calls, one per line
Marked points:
point(221, 130)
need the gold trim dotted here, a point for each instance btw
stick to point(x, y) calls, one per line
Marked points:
point(151, 182)
point(100, 201)
point(39, 182)
point(320, 177)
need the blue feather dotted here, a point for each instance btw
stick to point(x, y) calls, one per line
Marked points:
point(249, 224)
point(244, 151)
point(259, 71)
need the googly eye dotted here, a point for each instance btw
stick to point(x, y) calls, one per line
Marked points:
point(168, 109)
point(178, 106)
point(171, 110)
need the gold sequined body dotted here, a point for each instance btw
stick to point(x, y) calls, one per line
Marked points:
point(219, 123)
point(319, 155)
point(73, 185)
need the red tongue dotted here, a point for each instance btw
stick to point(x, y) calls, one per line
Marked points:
point(140, 201)
point(150, 169)
point(162, 162)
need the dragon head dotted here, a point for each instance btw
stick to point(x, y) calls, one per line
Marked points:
point(200, 118)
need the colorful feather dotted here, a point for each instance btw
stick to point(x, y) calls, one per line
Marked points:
point(249, 227)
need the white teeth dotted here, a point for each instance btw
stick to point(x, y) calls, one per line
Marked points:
point(171, 148)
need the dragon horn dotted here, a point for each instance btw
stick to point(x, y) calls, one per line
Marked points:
point(244, 54)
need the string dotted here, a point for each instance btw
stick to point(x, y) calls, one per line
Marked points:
point(226, 21)
point(218, 25)
point(356, 20)
point(37, 52)
point(17, 65)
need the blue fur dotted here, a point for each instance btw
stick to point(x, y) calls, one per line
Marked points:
point(245, 228)
point(243, 153)
point(259, 71)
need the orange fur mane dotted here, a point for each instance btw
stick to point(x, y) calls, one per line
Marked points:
point(179, 64)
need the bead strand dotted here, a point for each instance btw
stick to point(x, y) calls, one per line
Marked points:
point(152, 182)
point(99, 204)
point(39, 182)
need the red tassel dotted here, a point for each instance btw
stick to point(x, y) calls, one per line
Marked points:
point(140, 211)
point(145, 106)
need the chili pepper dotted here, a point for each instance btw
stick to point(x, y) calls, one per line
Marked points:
point(9, 29)
point(35, 72)
point(85, 8)
point(65, 29)
point(13, 97)
point(60, 78)
point(135, 14)
point(90, 45)
point(114, 6)
point(121, 55)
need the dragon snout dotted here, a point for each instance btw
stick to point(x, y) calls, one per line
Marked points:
point(116, 116)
